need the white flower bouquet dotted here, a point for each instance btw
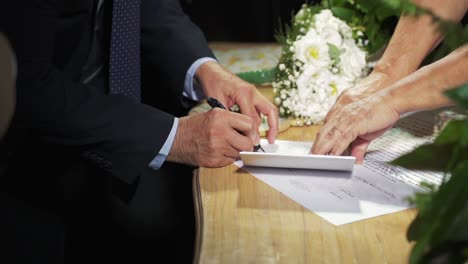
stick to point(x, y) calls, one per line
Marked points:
point(322, 56)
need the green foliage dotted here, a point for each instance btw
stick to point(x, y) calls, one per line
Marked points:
point(258, 77)
point(375, 19)
point(459, 95)
point(441, 227)
point(439, 155)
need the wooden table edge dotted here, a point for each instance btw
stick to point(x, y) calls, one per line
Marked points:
point(198, 206)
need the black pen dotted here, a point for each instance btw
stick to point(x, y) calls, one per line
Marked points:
point(215, 103)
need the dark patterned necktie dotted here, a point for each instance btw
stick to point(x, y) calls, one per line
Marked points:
point(124, 72)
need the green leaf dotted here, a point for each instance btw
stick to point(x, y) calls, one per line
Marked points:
point(454, 132)
point(438, 155)
point(367, 5)
point(414, 231)
point(459, 95)
point(449, 252)
point(258, 77)
point(372, 30)
point(443, 219)
point(338, 2)
point(332, 3)
point(343, 13)
point(382, 12)
point(426, 157)
point(334, 52)
point(393, 4)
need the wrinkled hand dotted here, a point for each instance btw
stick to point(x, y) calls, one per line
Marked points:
point(355, 125)
point(219, 83)
point(366, 87)
point(212, 139)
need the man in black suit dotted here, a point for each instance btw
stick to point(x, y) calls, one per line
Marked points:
point(110, 150)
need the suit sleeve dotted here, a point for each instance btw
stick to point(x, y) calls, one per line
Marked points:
point(53, 105)
point(171, 42)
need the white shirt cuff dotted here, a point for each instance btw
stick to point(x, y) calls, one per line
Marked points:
point(158, 161)
point(190, 91)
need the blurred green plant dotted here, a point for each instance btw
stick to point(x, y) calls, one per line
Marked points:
point(375, 18)
point(440, 230)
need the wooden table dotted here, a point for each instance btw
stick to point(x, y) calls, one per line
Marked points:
point(240, 219)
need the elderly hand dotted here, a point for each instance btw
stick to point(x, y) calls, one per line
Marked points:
point(212, 139)
point(219, 83)
point(366, 87)
point(355, 125)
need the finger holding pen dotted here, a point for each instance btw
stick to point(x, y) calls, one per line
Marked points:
point(242, 123)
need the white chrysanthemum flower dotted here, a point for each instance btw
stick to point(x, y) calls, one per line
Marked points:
point(315, 94)
point(353, 60)
point(326, 22)
point(332, 36)
point(325, 19)
point(312, 49)
point(328, 61)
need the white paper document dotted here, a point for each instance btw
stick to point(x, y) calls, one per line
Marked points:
point(369, 190)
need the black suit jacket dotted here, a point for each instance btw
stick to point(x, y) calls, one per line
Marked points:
point(51, 39)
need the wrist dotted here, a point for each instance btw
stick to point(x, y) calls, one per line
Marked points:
point(398, 97)
point(176, 152)
point(206, 73)
point(395, 68)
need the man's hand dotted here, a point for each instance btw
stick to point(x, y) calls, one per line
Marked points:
point(355, 125)
point(212, 139)
point(219, 83)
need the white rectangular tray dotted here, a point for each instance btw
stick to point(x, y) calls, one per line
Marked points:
point(295, 155)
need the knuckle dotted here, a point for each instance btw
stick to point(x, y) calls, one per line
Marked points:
point(318, 135)
point(330, 134)
point(250, 88)
point(215, 113)
point(250, 122)
point(348, 136)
